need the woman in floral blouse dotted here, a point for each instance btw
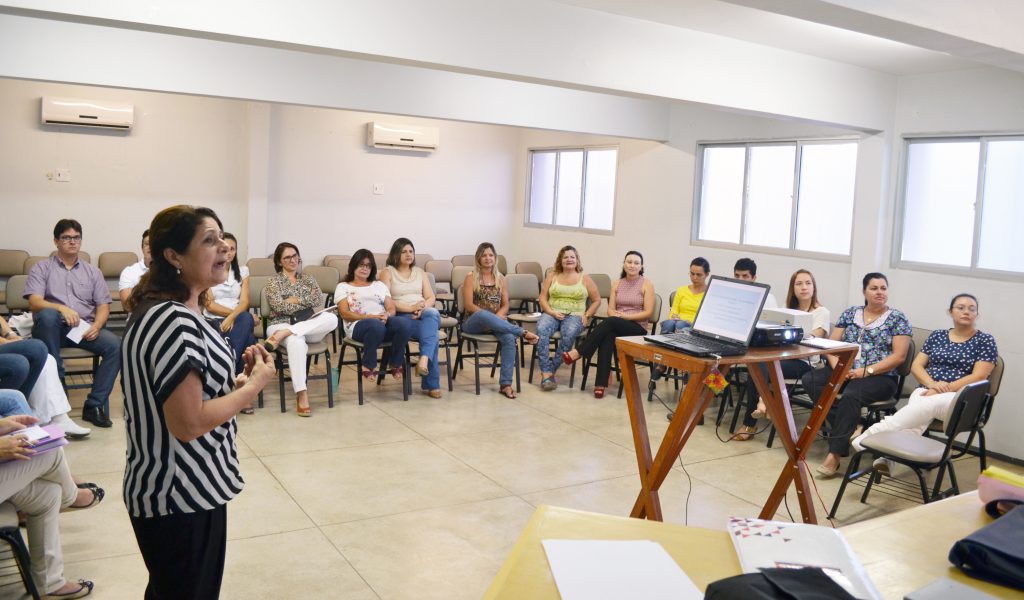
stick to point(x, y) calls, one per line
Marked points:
point(883, 334)
point(289, 293)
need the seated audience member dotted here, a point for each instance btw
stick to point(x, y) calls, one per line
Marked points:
point(41, 486)
point(64, 292)
point(949, 360)
point(366, 307)
point(289, 293)
point(883, 334)
point(27, 367)
point(746, 269)
point(131, 274)
point(685, 303)
point(630, 307)
point(485, 296)
point(803, 296)
point(227, 307)
point(414, 301)
point(563, 300)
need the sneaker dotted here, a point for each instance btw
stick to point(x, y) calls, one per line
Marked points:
point(69, 427)
point(549, 384)
point(884, 466)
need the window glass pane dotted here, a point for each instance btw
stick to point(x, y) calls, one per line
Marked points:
point(769, 196)
point(938, 217)
point(721, 197)
point(600, 190)
point(825, 211)
point(1003, 207)
point(542, 187)
point(570, 186)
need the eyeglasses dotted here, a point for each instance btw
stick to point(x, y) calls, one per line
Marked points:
point(67, 239)
point(364, 265)
point(964, 308)
point(290, 258)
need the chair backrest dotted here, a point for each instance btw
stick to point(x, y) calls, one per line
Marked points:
point(329, 257)
point(547, 272)
point(15, 291)
point(433, 281)
point(522, 286)
point(256, 285)
point(502, 264)
point(533, 267)
point(996, 377)
point(112, 263)
point(671, 299)
point(603, 283)
point(904, 369)
point(422, 259)
point(968, 405)
point(919, 335)
point(326, 277)
point(12, 262)
point(459, 276)
point(31, 262)
point(264, 304)
point(440, 269)
point(340, 263)
point(261, 266)
point(463, 260)
point(82, 255)
point(656, 316)
point(381, 258)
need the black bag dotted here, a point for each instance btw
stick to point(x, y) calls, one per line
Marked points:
point(995, 552)
point(810, 583)
point(299, 316)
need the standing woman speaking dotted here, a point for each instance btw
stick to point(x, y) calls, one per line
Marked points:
point(181, 397)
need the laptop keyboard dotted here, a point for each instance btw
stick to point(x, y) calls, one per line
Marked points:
point(694, 340)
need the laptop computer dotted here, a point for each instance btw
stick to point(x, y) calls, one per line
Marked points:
point(725, 319)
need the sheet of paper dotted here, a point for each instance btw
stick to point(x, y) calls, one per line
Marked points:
point(32, 433)
point(76, 333)
point(615, 569)
point(823, 343)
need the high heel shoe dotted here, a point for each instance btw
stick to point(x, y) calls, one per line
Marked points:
point(304, 411)
point(599, 391)
point(568, 359)
point(747, 433)
point(827, 473)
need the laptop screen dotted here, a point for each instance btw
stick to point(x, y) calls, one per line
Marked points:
point(730, 309)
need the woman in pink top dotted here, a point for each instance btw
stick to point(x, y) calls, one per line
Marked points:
point(630, 306)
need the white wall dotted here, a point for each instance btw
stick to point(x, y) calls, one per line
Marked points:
point(185, 149)
point(975, 101)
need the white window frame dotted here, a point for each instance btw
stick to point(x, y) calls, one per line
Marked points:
point(791, 249)
point(583, 189)
point(901, 203)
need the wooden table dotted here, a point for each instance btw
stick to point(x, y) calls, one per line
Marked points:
point(695, 399)
point(902, 551)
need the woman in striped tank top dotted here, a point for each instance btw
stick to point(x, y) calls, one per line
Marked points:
point(563, 298)
point(630, 307)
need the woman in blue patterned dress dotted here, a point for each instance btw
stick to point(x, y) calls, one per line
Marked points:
point(883, 334)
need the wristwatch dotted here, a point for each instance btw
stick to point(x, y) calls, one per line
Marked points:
point(870, 371)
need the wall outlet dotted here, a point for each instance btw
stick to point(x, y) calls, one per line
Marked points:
point(63, 175)
point(378, 189)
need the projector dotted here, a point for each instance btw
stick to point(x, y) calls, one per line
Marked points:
point(774, 334)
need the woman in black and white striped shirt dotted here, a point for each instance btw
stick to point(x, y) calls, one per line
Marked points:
point(181, 397)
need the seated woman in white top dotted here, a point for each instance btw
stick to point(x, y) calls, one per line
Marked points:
point(949, 360)
point(227, 306)
point(366, 307)
point(414, 301)
point(802, 295)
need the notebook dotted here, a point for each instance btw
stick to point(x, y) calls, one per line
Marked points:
point(725, 319)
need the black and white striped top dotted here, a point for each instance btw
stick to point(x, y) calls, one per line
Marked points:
point(164, 475)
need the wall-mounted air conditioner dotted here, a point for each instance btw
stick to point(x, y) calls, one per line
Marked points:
point(402, 137)
point(87, 113)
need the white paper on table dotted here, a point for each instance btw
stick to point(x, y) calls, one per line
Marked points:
point(615, 569)
point(824, 343)
point(76, 333)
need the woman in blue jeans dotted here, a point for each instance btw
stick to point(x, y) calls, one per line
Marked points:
point(21, 361)
point(563, 298)
point(366, 307)
point(414, 302)
point(486, 300)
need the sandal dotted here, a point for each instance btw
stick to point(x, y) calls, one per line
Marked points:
point(304, 411)
point(84, 589)
point(746, 433)
point(507, 391)
point(530, 337)
point(760, 411)
point(423, 368)
point(248, 410)
point(599, 391)
point(271, 346)
point(97, 497)
point(371, 374)
point(434, 393)
point(548, 384)
point(568, 359)
point(396, 372)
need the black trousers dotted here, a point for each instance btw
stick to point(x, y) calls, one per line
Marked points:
point(602, 340)
point(791, 369)
point(845, 413)
point(183, 553)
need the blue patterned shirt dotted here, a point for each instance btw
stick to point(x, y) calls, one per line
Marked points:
point(875, 339)
point(949, 360)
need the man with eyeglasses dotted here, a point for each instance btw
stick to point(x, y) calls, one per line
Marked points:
point(63, 293)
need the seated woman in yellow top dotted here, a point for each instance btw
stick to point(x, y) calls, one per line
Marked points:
point(688, 297)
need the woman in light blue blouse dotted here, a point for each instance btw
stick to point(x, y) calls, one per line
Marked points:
point(883, 334)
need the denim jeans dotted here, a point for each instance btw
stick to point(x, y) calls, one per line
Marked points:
point(240, 337)
point(674, 325)
point(371, 332)
point(49, 327)
point(484, 321)
point(21, 363)
point(12, 402)
point(569, 328)
point(424, 331)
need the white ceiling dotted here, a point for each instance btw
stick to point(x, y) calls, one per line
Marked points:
point(784, 32)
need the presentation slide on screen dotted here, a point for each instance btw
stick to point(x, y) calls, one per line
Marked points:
point(730, 309)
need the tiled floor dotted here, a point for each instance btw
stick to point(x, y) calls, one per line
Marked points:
point(424, 499)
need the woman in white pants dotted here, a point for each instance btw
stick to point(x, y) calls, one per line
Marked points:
point(949, 360)
point(41, 486)
point(289, 293)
